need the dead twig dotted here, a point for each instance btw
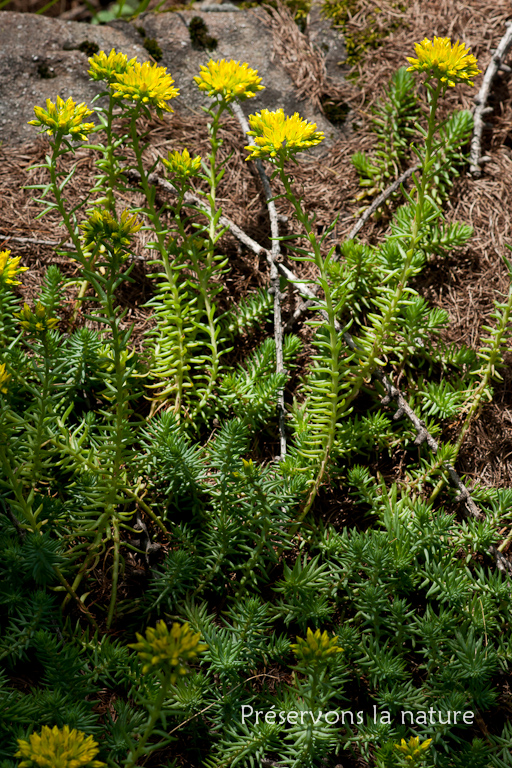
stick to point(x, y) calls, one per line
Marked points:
point(274, 276)
point(481, 108)
point(38, 241)
point(69, 246)
point(380, 200)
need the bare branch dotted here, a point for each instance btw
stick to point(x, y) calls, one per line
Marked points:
point(37, 241)
point(379, 200)
point(481, 108)
point(274, 276)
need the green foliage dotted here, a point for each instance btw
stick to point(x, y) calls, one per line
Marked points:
point(142, 488)
point(393, 121)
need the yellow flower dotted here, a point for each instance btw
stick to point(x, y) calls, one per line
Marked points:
point(276, 134)
point(161, 649)
point(55, 748)
point(35, 322)
point(64, 117)
point(181, 164)
point(413, 750)
point(229, 79)
point(102, 226)
point(146, 83)
point(449, 64)
point(9, 268)
point(316, 648)
point(108, 68)
point(4, 379)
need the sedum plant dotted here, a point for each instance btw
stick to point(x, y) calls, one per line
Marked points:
point(165, 459)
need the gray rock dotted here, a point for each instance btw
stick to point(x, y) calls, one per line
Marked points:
point(241, 36)
point(39, 60)
point(327, 41)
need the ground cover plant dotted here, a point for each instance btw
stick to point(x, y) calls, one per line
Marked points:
point(261, 634)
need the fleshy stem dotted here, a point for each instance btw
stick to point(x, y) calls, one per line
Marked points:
point(44, 399)
point(159, 230)
point(372, 359)
point(203, 275)
point(334, 345)
point(118, 479)
point(337, 403)
point(56, 189)
point(154, 714)
point(108, 524)
point(22, 504)
point(108, 200)
point(110, 160)
point(315, 679)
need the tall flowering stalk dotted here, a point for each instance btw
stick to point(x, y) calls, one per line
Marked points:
point(165, 654)
point(106, 244)
point(186, 328)
point(314, 654)
point(445, 65)
point(102, 247)
point(62, 121)
point(224, 82)
point(278, 138)
point(107, 69)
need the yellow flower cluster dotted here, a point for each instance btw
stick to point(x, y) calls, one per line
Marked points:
point(276, 134)
point(63, 118)
point(229, 79)
point(9, 268)
point(318, 647)
point(4, 379)
point(180, 164)
point(146, 84)
point(56, 748)
point(413, 750)
point(102, 226)
point(35, 322)
point(108, 68)
point(449, 64)
point(168, 650)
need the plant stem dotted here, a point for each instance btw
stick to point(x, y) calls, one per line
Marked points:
point(334, 347)
point(117, 479)
point(154, 714)
point(204, 275)
point(154, 217)
point(382, 331)
point(60, 200)
point(22, 504)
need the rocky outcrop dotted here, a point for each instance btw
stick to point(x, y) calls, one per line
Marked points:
point(41, 57)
